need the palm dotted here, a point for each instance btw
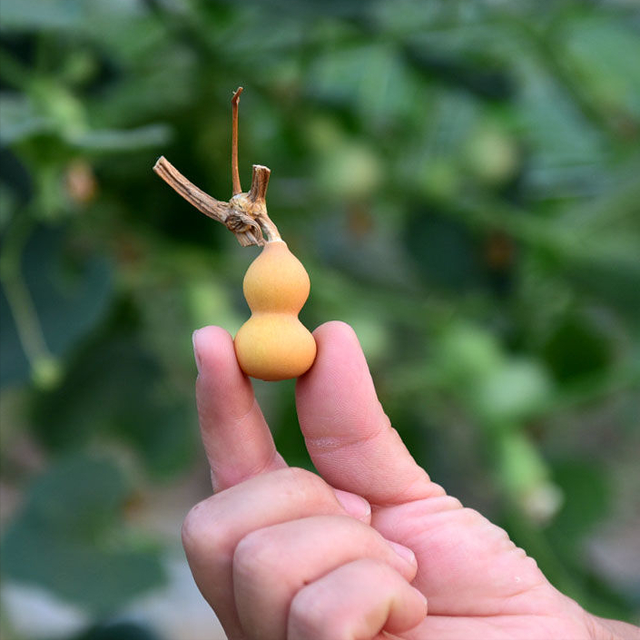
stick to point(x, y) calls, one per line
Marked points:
point(478, 583)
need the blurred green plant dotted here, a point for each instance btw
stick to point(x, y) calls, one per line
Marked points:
point(461, 181)
point(63, 538)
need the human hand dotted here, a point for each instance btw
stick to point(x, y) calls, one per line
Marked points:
point(282, 553)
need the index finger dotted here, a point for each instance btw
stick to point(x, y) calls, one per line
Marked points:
point(235, 435)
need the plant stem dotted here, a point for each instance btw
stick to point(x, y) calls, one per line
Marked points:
point(235, 175)
point(245, 214)
point(20, 302)
point(202, 201)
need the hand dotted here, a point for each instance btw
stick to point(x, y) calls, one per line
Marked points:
point(282, 553)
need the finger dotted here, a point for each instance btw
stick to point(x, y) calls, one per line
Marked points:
point(356, 600)
point(236, 437)
point(348, 435)
point(271, 565)
point(213, 528)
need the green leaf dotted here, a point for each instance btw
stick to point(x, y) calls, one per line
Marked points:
point(603, 54)
point(467, 354)
point(615, 282)
point(64, 538)
point(512, 392)
point(566, 149)
point(23, 15)
point(41, 14)
point(586, 500)
point(70, 293)
point(19, 119)
point(444, 251)
point(119, 631)
point(371, 78)
point(116, 389)
point(122, 140)
point(577, 348)
point(521, 468)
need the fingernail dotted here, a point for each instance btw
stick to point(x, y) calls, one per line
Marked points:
point(404, 552)
point(195, 349)
point(424, 598)
point(356, 506)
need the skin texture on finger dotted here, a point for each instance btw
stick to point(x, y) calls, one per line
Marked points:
point(467, 565)
point(355, 602)
point(348, 435)
point(602, 628)
point(213, 528)
point(235, 436)
point(508, 627)
point(272, 564)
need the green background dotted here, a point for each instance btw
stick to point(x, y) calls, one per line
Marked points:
point(461, 181)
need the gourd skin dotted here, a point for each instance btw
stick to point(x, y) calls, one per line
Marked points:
point(273, 344)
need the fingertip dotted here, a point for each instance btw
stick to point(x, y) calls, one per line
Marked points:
point(338, 353)
point(422, 599)
point(212, 348)
point(407, 611)
point(336, 331)
point(404, 552)
point(356, 506)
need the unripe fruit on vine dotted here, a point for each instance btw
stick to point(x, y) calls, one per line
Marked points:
point(273, 344)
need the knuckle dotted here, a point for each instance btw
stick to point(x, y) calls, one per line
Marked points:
point(192, 525)
point(308, 618)
point(375, 571)
point(314, 617)
point(199, 535)
point(374, 568)
point(304, 477)
point(305, 485)
point(254, 555)
point(318, 612)
point(471, 517)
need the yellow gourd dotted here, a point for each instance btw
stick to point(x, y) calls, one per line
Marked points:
point(273, 344)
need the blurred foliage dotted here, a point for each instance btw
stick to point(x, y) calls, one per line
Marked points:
point(460, 180)
point(62, 537)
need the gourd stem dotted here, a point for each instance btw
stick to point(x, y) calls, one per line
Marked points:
point(202, 201)
point(246, 213)
point(259, 183)
point(257, 202)
point(235, 174)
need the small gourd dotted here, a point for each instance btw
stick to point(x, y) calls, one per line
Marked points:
point(272, 344)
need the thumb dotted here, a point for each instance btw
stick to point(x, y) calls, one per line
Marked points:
point(348, 435)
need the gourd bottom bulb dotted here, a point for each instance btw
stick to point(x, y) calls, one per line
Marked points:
point(274, 346)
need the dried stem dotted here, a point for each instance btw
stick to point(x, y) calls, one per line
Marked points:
point(259, 183)
point(199, 199)
point(257, 197)
point(235, 174)
point(246, 213)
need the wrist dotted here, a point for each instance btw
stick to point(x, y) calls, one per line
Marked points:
point(605, 629)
